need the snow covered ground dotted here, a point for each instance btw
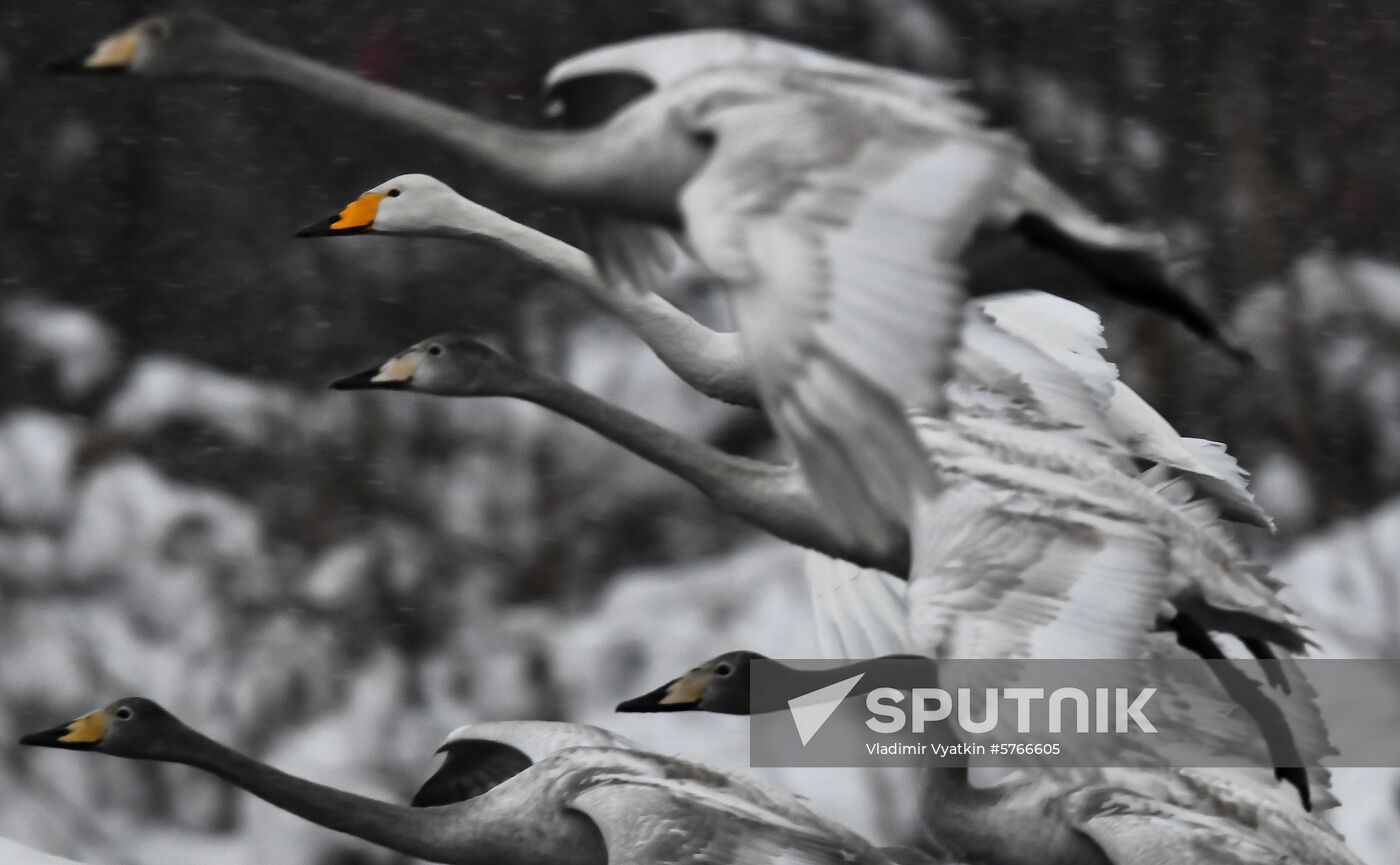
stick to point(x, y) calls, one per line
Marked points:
point(339, 622)
point(346, 661)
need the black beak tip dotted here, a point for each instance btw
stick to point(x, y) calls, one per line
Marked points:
point(365, 381)
point(46, 738)
point(350, 382)
point(638, 704)
point(78, 66)
point(66, 66)
point(317, 229)
point(651, 702)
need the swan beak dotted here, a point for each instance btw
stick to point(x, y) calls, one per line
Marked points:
point(83, 734)
point(113, 54)
point(397, 374)
point(678, 695)
point(357, 218)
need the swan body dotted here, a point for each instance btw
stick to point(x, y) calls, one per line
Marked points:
point(515, 793)
point(1068, 816)
point(832, 198)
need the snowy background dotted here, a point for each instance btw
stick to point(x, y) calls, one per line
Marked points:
point(333, 581)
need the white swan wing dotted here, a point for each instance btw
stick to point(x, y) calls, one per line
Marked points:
point(686, 815)
point(670, 59)
point(1067, 333)
point(1033, 390)
point(837, 229)
point(1067, 383)
point(1132, 829)
point(1208, 464)
point(479, 757)
point(538, 739)
point(998, 573)
point(859, 612)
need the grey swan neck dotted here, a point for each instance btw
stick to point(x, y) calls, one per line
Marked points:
point(561, 163)
point(769, 496)
point(711, 362)
point(415, 832)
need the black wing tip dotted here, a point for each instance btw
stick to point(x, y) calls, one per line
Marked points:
point(1298, 777)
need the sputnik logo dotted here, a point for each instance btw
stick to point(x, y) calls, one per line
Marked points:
point(811, 710)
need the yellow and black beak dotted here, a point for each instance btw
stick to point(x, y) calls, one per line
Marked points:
point(397, 374)
point(84, 734)
point(678, 695)
point(113, 54)
point(357, 218)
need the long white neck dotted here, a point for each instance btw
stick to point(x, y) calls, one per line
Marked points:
point(709, 361)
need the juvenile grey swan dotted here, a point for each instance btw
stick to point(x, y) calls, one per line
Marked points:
point(833, 198)
point(1206, 576)
point(1062, 816)
point(515, 793)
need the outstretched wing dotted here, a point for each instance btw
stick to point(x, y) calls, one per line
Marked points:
point(859, 612)
point(837, 225)
point(668, 60)
point(671, 820)
point(1038, 366)
point(1001, 573)
point(1207, 464)
point(1009, 383)
point(478, 757)
point(1131, 828)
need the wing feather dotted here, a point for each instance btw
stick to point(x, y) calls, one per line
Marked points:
point(998, 575)
point(658, 820)
point(1131, 828)
point(860, 613)
point(837, 229)
point(1211, 468)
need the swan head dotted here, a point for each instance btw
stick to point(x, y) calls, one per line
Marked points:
point(176, 43)
point(412, 204)
point(130, 727)
point(450, 364)
point(719, 685)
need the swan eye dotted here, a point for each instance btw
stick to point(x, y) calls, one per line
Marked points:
point(393, 193)
point(123, 714)
point(723, 670)
point(434, 350)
